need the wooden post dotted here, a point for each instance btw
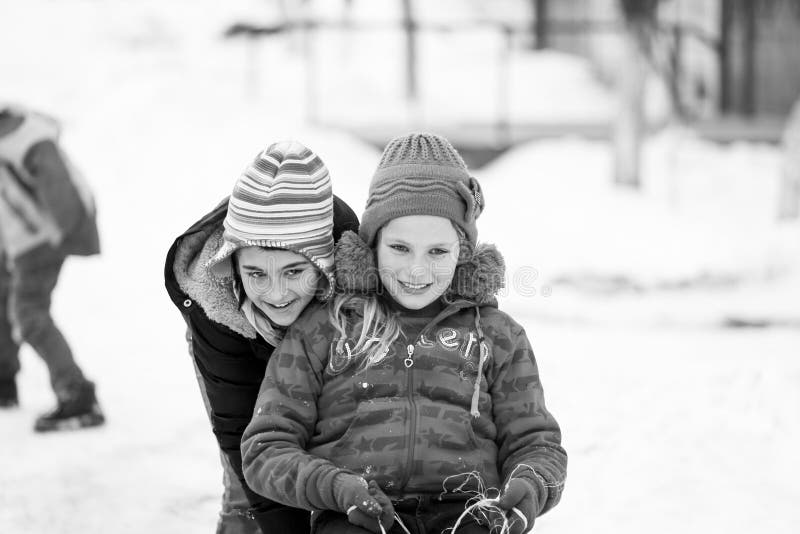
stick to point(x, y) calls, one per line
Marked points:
point(540, 28)
point(410, 27)
point(723, 56)
point(312, 104)
point(748, 48)
point(629, 123)
point(680, 109)
point(503, 128)
point(629, 126)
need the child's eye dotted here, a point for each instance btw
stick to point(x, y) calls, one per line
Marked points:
point(439, 251)
point(293, 273)
point(255, 275)
point(399, 248)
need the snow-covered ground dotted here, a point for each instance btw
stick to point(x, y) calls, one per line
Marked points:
point(672, 422)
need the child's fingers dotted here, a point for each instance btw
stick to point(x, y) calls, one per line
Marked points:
point(359, 518)
point(366, 504)
point(521, 516)
point(518, 498)
point(514, 492)
point(519, 519)
point(519, 523)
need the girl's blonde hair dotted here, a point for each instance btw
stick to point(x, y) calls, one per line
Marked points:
point(377, 326)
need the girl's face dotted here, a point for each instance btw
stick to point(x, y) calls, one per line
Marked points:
point(417, 257)
point(280, 283)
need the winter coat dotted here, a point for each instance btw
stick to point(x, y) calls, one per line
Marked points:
point(43, 198)
point(229, 354)
point(409, 422)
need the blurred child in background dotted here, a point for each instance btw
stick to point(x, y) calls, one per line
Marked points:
point(46, 214)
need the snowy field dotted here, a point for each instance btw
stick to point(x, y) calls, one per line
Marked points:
point(673, 423)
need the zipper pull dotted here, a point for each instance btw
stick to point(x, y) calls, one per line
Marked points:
point(409, 361)
point(468, 350)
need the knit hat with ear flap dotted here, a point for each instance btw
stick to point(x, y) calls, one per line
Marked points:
point(284, 200)
point(421, 174)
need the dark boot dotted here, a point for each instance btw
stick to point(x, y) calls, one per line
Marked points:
point(8, 393)
point(77, 408)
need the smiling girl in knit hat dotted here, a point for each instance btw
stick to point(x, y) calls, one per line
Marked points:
point(240, 276)
point(410, 403)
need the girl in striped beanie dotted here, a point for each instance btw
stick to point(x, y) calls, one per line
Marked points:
point(277, 247)
point(240, 276)
point(410, 399)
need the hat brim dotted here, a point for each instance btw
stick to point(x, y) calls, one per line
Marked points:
point(220, 266)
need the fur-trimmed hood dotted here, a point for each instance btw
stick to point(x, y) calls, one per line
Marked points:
point(479, 276)
point(215, 297)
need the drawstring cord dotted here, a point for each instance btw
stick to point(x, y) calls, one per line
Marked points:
point(397, 520)
point(484, 355)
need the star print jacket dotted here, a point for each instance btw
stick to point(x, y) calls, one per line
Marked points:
point(437, 413)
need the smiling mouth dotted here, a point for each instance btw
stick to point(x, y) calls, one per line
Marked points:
point(414, 287)
point(281, 306)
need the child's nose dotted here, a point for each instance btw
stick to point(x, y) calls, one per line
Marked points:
point(418, 268)
point(273, 292)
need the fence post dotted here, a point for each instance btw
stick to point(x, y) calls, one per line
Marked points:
point(503, 128)
point(540, 23)
point(410, 27)
point(312, 112)
point(723, 56)
point(748, 49)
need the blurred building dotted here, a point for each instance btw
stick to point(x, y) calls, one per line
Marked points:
point(730, 67)
point(737, 57)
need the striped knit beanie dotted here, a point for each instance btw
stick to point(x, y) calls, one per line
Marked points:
point(284, 200)
point(421, 174)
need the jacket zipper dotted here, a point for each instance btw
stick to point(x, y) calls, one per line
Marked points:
point(412, 435)
point(409, 363)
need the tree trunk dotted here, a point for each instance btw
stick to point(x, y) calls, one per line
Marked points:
point(540, 24)
point(629, 124)
point(410, 28)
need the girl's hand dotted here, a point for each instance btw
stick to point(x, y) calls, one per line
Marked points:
point(365, 505)
point(370, 521)
point(519, 499)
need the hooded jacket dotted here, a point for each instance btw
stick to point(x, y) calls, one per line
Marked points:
point(43, 198)
point(230, 356)
point(456, 404)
